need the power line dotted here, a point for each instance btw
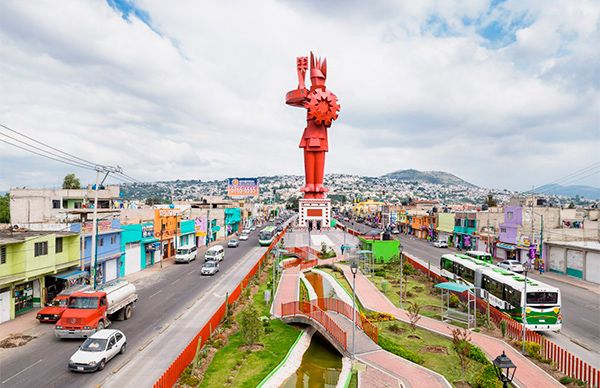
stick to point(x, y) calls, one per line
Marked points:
point(46, 145)
point(45, 156)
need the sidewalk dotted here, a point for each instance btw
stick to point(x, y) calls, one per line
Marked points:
point(592, 287)
point(527, 374)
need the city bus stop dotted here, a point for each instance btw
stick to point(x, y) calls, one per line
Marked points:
point(448, 313)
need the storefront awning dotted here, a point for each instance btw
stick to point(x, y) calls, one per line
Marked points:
point(74, 274)
point(508, 247)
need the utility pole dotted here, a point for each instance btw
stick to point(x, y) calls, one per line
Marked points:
point(208, 226)
point(162, 254)
point(532, 199)
point(93, 253)
point(489, 249)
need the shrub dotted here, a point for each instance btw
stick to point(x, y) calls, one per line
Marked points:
point(478, 355)
point(395, 328)
point(413, 314)
point(398, 350)
point(568, 380)
point(376, 316)
point(454, 301)
point(380, 272)
point(250, 326)
point(531, 348)
point(486, 378)
point(408, 269)
point(461, 342)
point(503, 328)
point(385, 285)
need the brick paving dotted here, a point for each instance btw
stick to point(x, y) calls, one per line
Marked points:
point(527, 374)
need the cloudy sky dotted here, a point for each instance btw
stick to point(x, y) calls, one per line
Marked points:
point(503, 94)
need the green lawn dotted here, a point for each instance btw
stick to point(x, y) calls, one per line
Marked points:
point(419, 292)
point(445, 364)
point(258, 364)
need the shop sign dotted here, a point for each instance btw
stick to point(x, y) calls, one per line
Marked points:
point(166, 222)
point(147, 231)
point(242, 187)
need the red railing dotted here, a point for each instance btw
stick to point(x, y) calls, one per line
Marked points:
point(172, 374)
point(313, 312)
point(308, 264)
point(341, 307)
point(562, 359)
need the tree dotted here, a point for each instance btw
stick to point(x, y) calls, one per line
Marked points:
point(4, 209)
point(490, 201)
point(461, 342)
point(413, 314)
point(250, 325)
point(71, 182)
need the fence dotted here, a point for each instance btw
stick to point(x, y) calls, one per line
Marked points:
point(172, 374)
point(561, 359)
point(313, 311)
point(341, 307)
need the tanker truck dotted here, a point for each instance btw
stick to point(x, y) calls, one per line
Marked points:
point(89, 311)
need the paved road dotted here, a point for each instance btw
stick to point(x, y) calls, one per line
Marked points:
point(580, 307)
point(163, 296)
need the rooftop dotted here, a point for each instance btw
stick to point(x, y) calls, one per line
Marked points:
point(9, 236)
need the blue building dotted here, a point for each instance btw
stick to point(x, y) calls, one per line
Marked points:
point(110, 257)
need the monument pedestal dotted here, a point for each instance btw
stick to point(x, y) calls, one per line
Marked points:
point(315, 212)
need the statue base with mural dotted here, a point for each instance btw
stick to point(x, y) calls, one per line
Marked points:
point(314, 214)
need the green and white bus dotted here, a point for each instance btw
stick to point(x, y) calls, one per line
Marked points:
point(480, 255)
point(266, 236)
point(505, 291)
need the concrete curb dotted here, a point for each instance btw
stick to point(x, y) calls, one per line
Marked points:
point(287, 367)
point(345, 374)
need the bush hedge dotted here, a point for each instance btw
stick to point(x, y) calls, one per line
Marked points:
point(398, 350)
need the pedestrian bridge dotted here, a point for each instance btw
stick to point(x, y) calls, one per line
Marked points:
point(333, 319)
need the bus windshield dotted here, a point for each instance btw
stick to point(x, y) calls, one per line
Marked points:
point(542, 298)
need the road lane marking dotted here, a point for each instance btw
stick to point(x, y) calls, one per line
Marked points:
point(175, 281)
point(18, 373)
point(157, 292)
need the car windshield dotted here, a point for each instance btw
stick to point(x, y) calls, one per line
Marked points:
point(513, 262)
point(209, 264)
point(233, 241)
point(183, 251)
point(80, 302)
point(542, 298)
point(94, 345)
point(59, 302)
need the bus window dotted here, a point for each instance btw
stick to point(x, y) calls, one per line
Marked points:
point(447, 264)
point(467, 274)
point(495, 288)
point(542, 298)
point(513, 296)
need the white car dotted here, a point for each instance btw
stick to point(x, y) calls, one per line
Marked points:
point(97, 350)
point(243, 236)
point(209, 268)
point(395, 231)
point(440, 244)
point(246, 231)
point(253, 227)
point(511, 265)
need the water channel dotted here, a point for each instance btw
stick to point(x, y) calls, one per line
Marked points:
point(321, 366)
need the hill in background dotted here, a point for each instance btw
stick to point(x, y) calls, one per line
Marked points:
point(588, 192)
point(434, 177)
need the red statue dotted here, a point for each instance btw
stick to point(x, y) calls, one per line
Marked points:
point(322, 108)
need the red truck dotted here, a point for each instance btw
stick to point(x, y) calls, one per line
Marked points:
point(52, 312)
point(89, 311)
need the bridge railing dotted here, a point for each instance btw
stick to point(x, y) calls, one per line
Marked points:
point(341, 307)
point(313, 312)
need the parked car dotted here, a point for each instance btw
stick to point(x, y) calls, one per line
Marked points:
point(97, 350)
point(246, 231)
point(279, 228)
point(243, 236)
point(395, 231)
point(53, 311)
point(233, 243)
point(511, 265)
point(185, 254)
point(253, 227)
point(440, 244)
point(215, 253)
point(209, 268)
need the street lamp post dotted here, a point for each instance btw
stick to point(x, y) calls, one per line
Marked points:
point(401, 274)
point(526, 268)
point(354, 269)
point(503, 366)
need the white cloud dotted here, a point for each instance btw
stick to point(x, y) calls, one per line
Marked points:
point(203, 97)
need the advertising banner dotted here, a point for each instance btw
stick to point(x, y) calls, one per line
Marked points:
point(242, 187)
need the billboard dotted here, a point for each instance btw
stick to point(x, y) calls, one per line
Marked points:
point(242, 187)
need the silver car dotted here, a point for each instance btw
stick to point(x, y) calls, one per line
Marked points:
point(209, 268)
point(511, 265)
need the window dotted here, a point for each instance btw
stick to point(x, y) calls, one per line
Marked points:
point(41, 248)
point(112, 342)
point(457, 222)
point(78, 205)
point(509, 216)
point(471, 223)
point(101, 242)
point(513, 296)
point(56, 204)
point(466, 273)
point(542, 298)
point(447, 264)
point(502, 230)
point(3, 254)
point(59, 245)
point(113, 240)
point(118, 336)
point(495, 288)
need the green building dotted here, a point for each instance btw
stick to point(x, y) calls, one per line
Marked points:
point(35, 266)
point(383, 250)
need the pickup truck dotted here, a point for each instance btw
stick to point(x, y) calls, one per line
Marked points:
point(52, 312)
point(89, 311)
